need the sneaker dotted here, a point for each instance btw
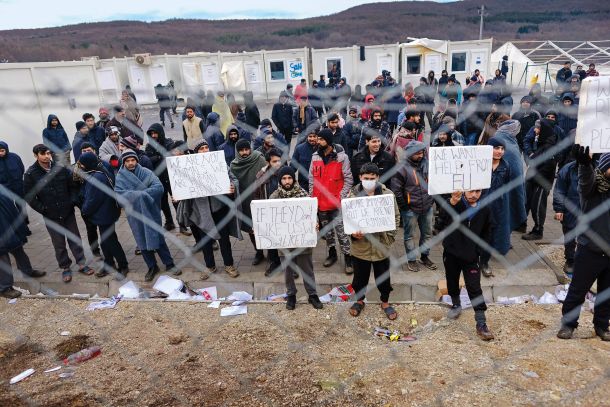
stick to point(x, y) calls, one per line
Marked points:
point(315, 302)
point(565, 332)
point(604, 334)
point(454, 312)
point(427, 262)
point(413, 266)
point(169, 226)
point(185, 231)
point(349, 270)
point(258, 258)
point(291, 302)
point(532, 236)
point(231, 271)
point(331, 258)
point(10, 293)
point(484, 332)
point(486, 271)
point(151, 274)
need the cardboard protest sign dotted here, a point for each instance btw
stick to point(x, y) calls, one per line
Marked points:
point(459, 169)
point(593, 128)
point(197, 175)
point(285, 223)
point(369, 214)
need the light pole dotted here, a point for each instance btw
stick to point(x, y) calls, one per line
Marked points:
point(483, 14)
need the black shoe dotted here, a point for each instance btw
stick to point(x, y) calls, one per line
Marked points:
point(37, 273)
point(138, 252)
point(486, 271)
point(96, 253)
point(425, 260)
point(565, 332)
point(258, 258)
point(533, 235)
point(185, 231)
point(295, 275)
point(10, 293)
point(348, 265)
point(215, 245)
point(604, 334)
point(522, 228)
point(315, 302)
point(151, 273)
point(413, 266)
point(332, 257)
point(272, 268)
point(169, 226)
point(291, 302)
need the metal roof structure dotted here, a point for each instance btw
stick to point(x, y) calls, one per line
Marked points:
point(556, 52)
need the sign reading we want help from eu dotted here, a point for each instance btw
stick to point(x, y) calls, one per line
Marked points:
point(368, 214)
point(593, 128)
point(285, 223)
point(198, 175)
point(459, 169)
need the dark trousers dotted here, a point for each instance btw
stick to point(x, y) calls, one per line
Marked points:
point(167, 212)
point(59, 234)
point(536, 197)
point(287, 135)
point(204, 242)
point(163, 111)
point(472, 277)
point(111, 248)
point(362, 272)
point(303, 264)
point(164, 255)
point(272, 254)
point(588, 267)
point(6, 271)
point(91, 234)
point(569, 244)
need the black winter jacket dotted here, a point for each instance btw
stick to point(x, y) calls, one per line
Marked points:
point(53, 194)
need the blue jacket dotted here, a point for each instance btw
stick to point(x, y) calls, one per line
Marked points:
point(99, 205)
point(280, 141)
point(11, 171)
point(55, 138)
point(500, 209)
point(78, 141)
point(529, 141)
point(14, 233)
point(565, 195)
point(212, 133)
point(97, 134)
point(229, 149)
point(301, 161)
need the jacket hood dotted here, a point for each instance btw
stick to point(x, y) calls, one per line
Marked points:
point(248, 97)
point(511, 127)
point(51, 117)
point(231, 128)
point(282, 94)
point(4, 145)
point(157, 128)
point(213, 117)
point(414, 147)
point(369, 98)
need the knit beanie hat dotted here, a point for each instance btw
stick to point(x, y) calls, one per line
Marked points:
point(414, 147)
point(129, 154)
point(604, 162)
point(200, 144)
point(242, 144)
point(495, 142)
point(326, 135)
point(286, 170)
point(88, 160)
point(80, 125)
point(130, 142)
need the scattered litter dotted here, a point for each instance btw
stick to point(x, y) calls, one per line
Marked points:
point(23, 291)
point(209, 293)
point(111, 303)
point(129, 290)
point(22, 376)
point(341, 293)
point(83, 296)
point(168, 285)
point(13, 301)
point(561, 291)
point(547, 298)
point(531, 374)
point(240, 296)
point(83, 355)
point(67, 374)
point(178, 295)
point(53, 369)
point(231, 311)
point(237, 303)
point(64, 333)
point(464, 299)
point(393, 336)
point(214, 304)
point(276, 297)
point(522, 299)
point(413, 322)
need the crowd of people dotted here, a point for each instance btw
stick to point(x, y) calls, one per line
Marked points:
point(347, 144)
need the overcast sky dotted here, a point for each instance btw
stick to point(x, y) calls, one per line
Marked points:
point(52, 13)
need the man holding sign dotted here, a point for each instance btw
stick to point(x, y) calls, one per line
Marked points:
point(372, 249)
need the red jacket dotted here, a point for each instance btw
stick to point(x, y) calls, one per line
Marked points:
point(330, 182)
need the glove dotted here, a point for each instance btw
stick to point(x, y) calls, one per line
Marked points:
point(581, 154)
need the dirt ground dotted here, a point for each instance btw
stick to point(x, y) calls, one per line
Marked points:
point(185, 354)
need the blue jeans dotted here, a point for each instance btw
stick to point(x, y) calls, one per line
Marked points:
point(164, 254)
point(410, 221)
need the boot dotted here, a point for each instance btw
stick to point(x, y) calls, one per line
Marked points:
point(291, 302)
point(565, 332)
point(332, 257)
point(272, 267)
point(151, 273)
point(604, 334)
point(315, 302)
point(258, 258)
point(348, 265)
point(10, 293)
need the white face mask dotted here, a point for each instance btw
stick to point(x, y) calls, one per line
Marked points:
point(369, 184)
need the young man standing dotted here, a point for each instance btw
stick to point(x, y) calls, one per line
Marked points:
point(301, 158)
point(376, 126)
point(374, 152)
point(140, 193)
point(96, 133)
point(461, 255)
point(157, 149)
point(282, 116)
point(298, 259)
point(50, 190)
point(372, 249)
point(410, 185)
point(192, 127)
point(330, 179)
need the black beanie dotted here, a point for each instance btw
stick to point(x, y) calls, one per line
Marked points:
point(327, 135)
point(241, 144)
point(285, 170)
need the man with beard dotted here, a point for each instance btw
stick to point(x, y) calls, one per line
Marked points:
point(267, 182)
point(126, 127)
point(375, 126)
point(303, 118)
point(245, 166)
point(527, 118)
point(352, 131)
point(104, 116)
point(410, 185)
point(97, 133)
point(301, 158)
point(268, 142)
point(192, 127)
point(330, 179)
point(109, 150)
point(298, 259)
point(282, 116)
point(374, 152)
point(229, 146)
